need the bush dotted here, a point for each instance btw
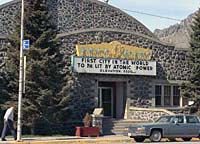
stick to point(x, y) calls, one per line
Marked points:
point(87, 120)
point(42, 127)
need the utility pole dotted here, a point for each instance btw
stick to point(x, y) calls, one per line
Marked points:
point(21, 69)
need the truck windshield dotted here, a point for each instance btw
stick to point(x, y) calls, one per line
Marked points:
point(163, 119)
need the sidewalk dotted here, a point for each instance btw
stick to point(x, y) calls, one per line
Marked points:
point(70, 140)
point(78, 140)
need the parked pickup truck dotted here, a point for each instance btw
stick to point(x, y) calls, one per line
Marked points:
point(169, 126)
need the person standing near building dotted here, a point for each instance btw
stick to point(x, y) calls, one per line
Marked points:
point(8, 123)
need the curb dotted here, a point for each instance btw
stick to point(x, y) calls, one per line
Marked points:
point(74, 141)
point(82, 141)
point(77, 140)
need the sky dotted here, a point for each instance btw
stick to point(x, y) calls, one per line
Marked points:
point(177, 9)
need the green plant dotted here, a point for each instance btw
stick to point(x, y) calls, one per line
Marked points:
point(87, 120)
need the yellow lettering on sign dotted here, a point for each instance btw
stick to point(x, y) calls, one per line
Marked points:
point(113, 50)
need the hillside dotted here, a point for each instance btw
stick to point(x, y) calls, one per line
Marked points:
point(177, 34)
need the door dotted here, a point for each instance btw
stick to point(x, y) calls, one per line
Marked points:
point(192, 128)
point(106, 100)
point(178, 129)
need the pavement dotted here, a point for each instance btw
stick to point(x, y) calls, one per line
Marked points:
point(70, 140)
point(110, 139)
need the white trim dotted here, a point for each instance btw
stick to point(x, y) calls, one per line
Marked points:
point(181, 101)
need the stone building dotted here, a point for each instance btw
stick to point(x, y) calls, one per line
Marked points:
point(147, 73)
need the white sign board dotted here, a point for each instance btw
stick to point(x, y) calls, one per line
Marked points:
point(113, 66)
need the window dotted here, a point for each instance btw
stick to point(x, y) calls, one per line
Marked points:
point(179, 119)
point(191, 119)
point(164, 119)
point(167, 95)
point(158, 92)
point(176, 94)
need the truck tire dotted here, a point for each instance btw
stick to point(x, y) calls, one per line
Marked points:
point(155, 136)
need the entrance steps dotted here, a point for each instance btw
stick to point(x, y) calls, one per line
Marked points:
point(113, 126)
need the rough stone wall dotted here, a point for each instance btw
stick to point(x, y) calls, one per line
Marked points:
point(73, 15)
point(83, 96)
point(171, 64)
point(140, 91)
point(145, 115)
point(89, 14)
point(8, 14)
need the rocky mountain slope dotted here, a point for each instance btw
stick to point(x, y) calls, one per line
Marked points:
point(178, 34)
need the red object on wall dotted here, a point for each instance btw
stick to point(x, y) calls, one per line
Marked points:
point(87, 131)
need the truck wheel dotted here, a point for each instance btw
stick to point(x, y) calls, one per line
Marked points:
point(155, 136)
point(186, 139)
point(139, 139)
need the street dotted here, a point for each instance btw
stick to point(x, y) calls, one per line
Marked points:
point(165, 141)
point(178, 141)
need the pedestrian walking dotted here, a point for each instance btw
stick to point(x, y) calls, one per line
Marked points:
point(8, 123)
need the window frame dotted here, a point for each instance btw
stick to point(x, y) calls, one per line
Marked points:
point(159, 94)
point(167, 95)
point(176, 94)
point(170, 93)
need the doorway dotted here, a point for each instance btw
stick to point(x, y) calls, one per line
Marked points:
point(106, 100)
point(112, 98)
